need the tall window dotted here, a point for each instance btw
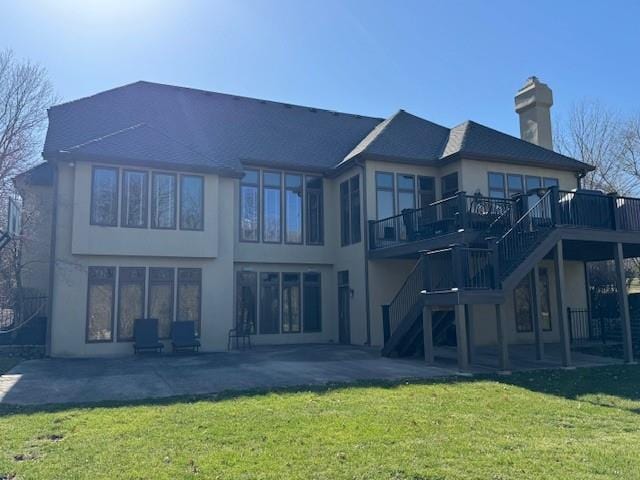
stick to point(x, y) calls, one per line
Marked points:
point(134, 198)
point(545, 299)
point(247, 301)
point(269, 302)
point(100, 304)
point(312, 301)
point(449, 185)
point(191, 202)
point(190, 296)
point(249, 206)
point(293, 208)
point(406, 192)
point(271, 220)
point(104, 196)
point(161, 288)
point(314, 211)
point(291, 311)
point(163, 201)
point(550, 182)
point(350, 211)
point(384, 195)
point(354, 185)
point(496, 185)
point(131, 293)
point(523, 307)
point(426, 191)
point(515, 185)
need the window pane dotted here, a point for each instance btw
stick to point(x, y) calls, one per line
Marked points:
point(269, 303)
point(312, 302)
point(406, 200)
point(545, 299)
point(405, 182)
point(191, 202)
point(533, 182)
point(550, 182)
point(189, 296)
point(290, 302)
point(384, 200)
point(314, 212)
point(384, 180)
point(355, 209)
point(271, 215)
point(271, 179)
point(249, 213)
point(163, 206)
point(496, 180)
point(427, 191)
point(514, 184)
point(247, 301)
point(345, 231)
point(293, 209)
point(104, 196)
point(134, 199)
point(522, 302)
point(100, 297)
point(161, 283)
point(250, 177)
point(131, 283)
point(449, 185)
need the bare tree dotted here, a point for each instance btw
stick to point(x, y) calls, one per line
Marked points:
point(596, 135)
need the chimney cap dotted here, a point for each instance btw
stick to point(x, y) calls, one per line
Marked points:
point(532, 93)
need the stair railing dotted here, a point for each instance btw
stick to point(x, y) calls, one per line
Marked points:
point(525, 234)
point(405, 300)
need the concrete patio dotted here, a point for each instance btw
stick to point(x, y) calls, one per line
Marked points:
point(38, 382)
point(89, 380)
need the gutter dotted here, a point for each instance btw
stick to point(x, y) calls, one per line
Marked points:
point(52, 258)
point(365, 223)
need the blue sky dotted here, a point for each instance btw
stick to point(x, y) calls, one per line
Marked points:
point(447, 61)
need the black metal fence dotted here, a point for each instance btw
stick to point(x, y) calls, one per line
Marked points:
point(586, 328)
point(23, 320)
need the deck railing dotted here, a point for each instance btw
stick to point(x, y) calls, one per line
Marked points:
point(453, 214)
point(458, 267)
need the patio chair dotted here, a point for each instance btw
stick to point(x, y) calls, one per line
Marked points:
point(183, 336)
point(145, 335)
point(243, 332)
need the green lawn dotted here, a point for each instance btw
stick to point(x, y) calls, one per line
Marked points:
point(563, 424)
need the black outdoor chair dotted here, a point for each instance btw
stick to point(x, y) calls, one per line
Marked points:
point(240, 332)
point(145, 335)
point(183, 336)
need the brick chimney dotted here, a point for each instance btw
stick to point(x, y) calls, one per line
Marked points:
point(533, 105)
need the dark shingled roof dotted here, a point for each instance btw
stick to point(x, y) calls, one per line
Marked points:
point(151, 123)
point(198, 126)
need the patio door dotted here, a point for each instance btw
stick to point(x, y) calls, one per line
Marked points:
point(344, 304)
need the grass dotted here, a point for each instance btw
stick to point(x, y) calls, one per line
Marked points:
point(549, 424)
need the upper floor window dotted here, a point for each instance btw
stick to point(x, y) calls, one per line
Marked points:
point(191, 202)
point(271, 201)
point(497, 187)
point(314, 210)
point(406, 192)
point(426, 191)
point(104, 196)
point(350, 229)
point(515, 184)
point(293, 208)
point(384, 195)
point(249, 206)
point(163, 201)
point(449, 185)
point(292, 202)
point(134, 198)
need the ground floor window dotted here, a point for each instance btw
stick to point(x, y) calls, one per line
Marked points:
point(161, 285)
point(100, 304)
point(523, 305)
point(131, 296)
point(189, 296)
point(274, 302)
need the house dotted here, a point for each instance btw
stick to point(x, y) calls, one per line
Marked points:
point(314, 226)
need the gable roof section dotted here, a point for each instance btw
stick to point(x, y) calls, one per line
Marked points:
point(403, 136)
point(472, 139)
point(212, 130)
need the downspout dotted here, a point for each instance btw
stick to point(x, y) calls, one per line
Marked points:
point(366, 248)
point(52, 257)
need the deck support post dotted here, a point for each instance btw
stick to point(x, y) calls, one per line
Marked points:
point(503, 342)
point(623, 303)
point(565, 338)
point(461, 337)
point(471, 336)
point(427, 327)
point(537, 313)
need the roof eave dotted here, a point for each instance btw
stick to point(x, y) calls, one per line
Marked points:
point(581, 167)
